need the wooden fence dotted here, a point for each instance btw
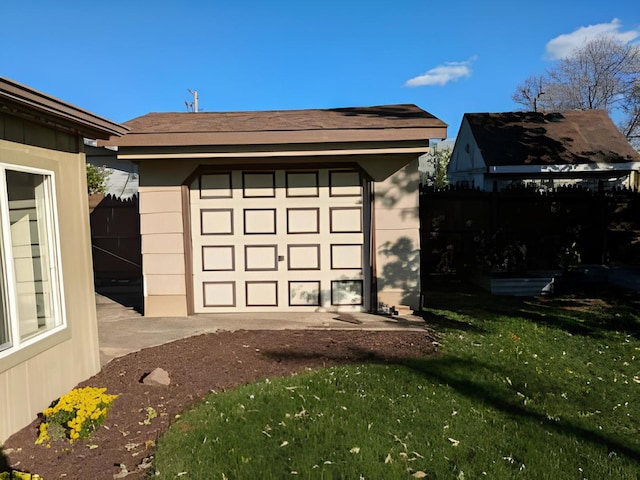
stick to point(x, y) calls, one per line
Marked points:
point(115, 239)
point(525, 229)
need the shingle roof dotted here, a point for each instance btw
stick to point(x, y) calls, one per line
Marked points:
point(535, 138)
point(387, 122)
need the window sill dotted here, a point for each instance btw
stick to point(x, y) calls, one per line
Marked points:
point(13, 358)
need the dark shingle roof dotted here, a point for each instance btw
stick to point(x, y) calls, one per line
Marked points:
point(535, 138)
point(387, 122)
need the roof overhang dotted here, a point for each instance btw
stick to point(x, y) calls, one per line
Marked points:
point(559, 170)
point(274, 153)
point(24, 102)
point(169, 139)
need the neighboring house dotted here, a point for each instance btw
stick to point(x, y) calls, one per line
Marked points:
point(48, 328)
point(498, 150)
point(301, 210)
point(122, 182)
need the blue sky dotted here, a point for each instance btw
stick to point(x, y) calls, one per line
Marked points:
point(123, 59)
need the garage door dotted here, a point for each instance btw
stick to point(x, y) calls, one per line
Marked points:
point(278, 241)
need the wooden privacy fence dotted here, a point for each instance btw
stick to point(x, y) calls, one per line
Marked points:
point(115, 239)
point(526, 229)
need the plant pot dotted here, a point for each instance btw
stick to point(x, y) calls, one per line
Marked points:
point(94, 200)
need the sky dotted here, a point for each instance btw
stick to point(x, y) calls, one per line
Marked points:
point(123, 59)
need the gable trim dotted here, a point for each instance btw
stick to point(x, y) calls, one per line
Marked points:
point(294, 153)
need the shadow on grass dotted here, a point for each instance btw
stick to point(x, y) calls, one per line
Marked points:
point(595, 315)
point(440, 321)
point(450, 372)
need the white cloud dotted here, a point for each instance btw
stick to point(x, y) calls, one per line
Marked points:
point(442, 74)
point(563, 45)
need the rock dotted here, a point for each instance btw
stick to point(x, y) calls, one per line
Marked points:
point(158, 377)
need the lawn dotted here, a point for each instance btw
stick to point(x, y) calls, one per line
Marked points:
point(520, 388)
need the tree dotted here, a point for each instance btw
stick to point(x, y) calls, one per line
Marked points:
point(602, 74)
point(437, 161)
point(97, 178)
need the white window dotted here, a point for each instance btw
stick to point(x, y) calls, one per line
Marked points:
point(30, 283)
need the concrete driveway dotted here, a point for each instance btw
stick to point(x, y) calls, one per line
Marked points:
point(122, 330)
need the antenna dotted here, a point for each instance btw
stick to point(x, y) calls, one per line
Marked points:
point(194, 105)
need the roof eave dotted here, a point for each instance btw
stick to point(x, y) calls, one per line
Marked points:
point(25, 102)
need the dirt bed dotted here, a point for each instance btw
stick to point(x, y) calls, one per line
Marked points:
point(124, 446)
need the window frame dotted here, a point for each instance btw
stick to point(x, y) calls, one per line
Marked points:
point(7, 268)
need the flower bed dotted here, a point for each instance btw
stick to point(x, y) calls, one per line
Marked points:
point(75, 415)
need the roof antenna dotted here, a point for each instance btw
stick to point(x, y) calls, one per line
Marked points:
point(193, 106)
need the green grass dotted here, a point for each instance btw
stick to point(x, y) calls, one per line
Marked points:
point(532, 389)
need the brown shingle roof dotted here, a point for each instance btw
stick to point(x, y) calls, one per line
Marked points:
point(388, 122)
point(535, 138)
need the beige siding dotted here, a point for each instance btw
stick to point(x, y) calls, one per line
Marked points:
point(38, 374)
point(165, 305)
point(163, 264)
point(163, 243)
point(397, 228)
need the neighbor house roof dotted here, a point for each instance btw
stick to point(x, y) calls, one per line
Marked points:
point(535, 138)
point(25, 102)
point(356, 124)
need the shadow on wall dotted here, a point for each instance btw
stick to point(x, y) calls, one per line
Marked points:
point(401, 270)
point(347, 292)
point(403, 183)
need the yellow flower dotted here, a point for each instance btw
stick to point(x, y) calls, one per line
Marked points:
point(79, 412)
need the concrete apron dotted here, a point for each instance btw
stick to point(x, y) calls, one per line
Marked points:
point(122, 330)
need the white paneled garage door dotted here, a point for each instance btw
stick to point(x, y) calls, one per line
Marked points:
point(278, 241)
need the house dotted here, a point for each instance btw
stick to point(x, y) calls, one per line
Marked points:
point(122, 181)
point(274, 211)
point(498, 150)
point(48, 328)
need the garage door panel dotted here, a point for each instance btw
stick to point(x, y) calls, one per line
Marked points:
point(260, 258)
point(344, 184)
point(215, 185)
point(218, 258)
point(302, 184)
point(303, 220)
point(303, 257)
point(259, 184)
point(346, 256)
point(261, 293)
point(304, 293)
point(346, 292)
point(219, 294)
point(259, 221)
point(345, 219)
point(217, 221)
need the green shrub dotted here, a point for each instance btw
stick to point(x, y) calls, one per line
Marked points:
point(97, 178)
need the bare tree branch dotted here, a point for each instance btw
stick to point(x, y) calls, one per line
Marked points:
point(602, 74)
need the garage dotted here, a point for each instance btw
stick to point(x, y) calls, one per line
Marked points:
point(274, 211)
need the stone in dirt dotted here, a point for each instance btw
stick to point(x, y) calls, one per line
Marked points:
point(158, 377)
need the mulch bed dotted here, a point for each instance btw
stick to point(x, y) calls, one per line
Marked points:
point(124, 446)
